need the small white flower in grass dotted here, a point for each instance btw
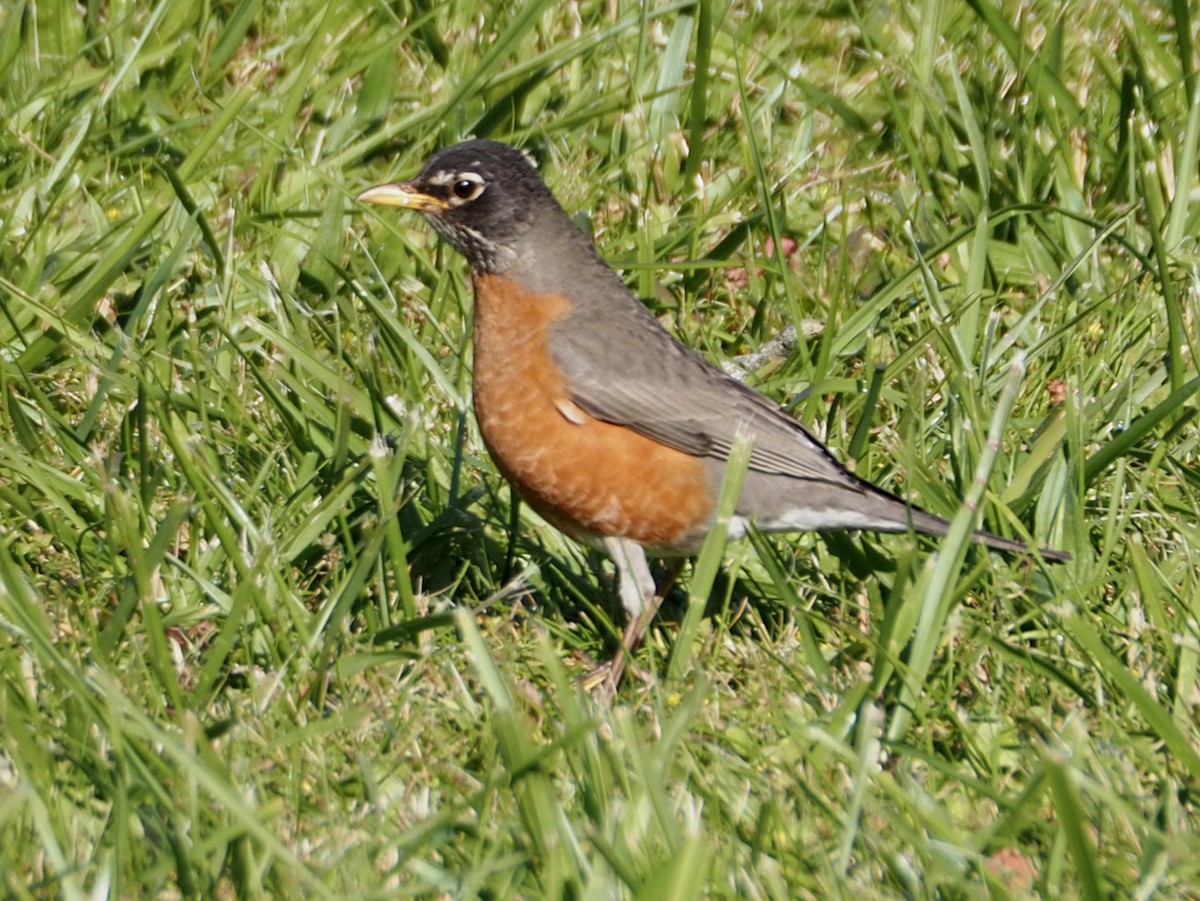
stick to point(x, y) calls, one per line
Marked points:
point(395, 404)
point(691, 811)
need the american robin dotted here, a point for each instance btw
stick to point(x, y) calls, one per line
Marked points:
point(606, 425)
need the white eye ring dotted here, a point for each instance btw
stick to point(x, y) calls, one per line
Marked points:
point(465, 187)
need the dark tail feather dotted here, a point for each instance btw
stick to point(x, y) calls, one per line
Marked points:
point(935, 525)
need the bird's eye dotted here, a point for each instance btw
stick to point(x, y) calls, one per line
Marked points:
point(467, 188)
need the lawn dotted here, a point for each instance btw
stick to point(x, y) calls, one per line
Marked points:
point(272, 624)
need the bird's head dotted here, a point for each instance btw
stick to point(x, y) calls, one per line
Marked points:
point(481, 196)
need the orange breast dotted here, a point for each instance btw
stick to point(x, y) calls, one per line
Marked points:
point(587, 477)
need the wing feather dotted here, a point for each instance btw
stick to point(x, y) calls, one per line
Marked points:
point(640, 377)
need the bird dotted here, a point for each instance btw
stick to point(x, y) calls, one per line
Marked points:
point(610, 428)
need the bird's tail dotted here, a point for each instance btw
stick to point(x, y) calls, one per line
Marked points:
point(929, 524)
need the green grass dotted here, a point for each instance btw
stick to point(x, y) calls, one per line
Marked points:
point(270, 627)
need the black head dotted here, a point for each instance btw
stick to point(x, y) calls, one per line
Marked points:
point(481, 196)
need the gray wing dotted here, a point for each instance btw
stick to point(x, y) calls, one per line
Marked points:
point(627, 370)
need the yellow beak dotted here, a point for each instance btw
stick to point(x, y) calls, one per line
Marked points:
point(401, 194)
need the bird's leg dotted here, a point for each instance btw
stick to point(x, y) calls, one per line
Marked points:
point(634, 579)
point(641, 601)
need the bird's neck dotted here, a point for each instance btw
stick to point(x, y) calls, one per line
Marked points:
point(552, 253)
